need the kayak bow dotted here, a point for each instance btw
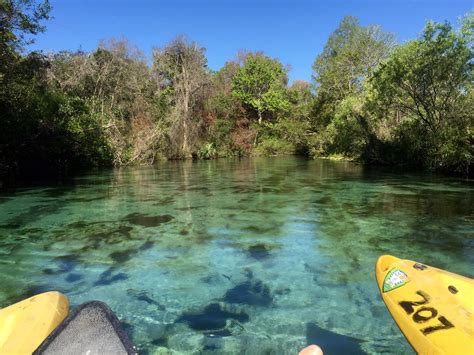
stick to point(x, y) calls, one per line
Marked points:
point(432, 307)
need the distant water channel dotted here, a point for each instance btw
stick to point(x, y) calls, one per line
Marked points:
point(252, 256)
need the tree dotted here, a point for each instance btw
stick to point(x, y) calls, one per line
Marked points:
point(116, 83)
point(225, 115)
point(19, 21)
point(181, 69)
point(23, 99)
point(260, 83)
point(350, 56)
point(300, 98)
point(427, 85)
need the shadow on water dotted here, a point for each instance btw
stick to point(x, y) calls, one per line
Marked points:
point(332, 343)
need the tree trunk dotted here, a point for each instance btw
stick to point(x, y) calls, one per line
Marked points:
point(185, 146)
point(185, 136)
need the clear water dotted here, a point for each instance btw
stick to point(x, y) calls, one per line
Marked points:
point(235, 256)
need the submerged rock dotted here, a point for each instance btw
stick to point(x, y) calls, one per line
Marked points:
point(258, 251)
point(161, 341)
point(147, 245)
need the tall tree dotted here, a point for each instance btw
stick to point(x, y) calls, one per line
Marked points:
point(350, 55)
point(340, 72)
point(22, 86)
point(181, 69)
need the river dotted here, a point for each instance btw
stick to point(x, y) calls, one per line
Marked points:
point(249, 256)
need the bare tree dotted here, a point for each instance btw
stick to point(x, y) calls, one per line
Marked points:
point(116, 82)
point(181, 69)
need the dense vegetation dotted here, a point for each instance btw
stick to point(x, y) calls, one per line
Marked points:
point(371, 99)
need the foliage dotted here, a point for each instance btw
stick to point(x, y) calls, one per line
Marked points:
point(207, 151)
point(274, 146)
point(426, 86)
point(406, 105)
point(181, 68)
point(44, 127)
point(19, 21)
point(345, 132)
point(117, 86)
point(260, 84)
point(340, 72)
point(349, 57)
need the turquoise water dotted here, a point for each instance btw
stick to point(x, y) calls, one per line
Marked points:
point(246, 256)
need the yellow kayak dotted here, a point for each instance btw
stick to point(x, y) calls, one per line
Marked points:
point(432, 307)
point(24, 325)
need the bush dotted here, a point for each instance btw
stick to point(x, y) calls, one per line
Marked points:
point(207, 151)
point(274, 146)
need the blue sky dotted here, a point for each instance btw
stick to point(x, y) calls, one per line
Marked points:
point(294, 31)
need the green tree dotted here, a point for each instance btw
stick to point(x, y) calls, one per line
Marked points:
point(261, 83)
point(350, 55)
point(225, 113)
point(20, 20)
point(340, 72)
point(427, 87)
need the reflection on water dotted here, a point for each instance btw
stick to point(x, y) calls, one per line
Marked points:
point(238, 256)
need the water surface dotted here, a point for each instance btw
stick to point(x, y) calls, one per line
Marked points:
point(235, 256)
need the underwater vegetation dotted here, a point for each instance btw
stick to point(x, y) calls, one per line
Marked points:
point(110, 276)
point(125, 255)
point(251, 292)
point(144, 220)
point(258, 251)
point(213, 317)
point(145, 296)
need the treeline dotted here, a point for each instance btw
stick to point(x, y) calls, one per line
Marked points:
point(370, 100)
